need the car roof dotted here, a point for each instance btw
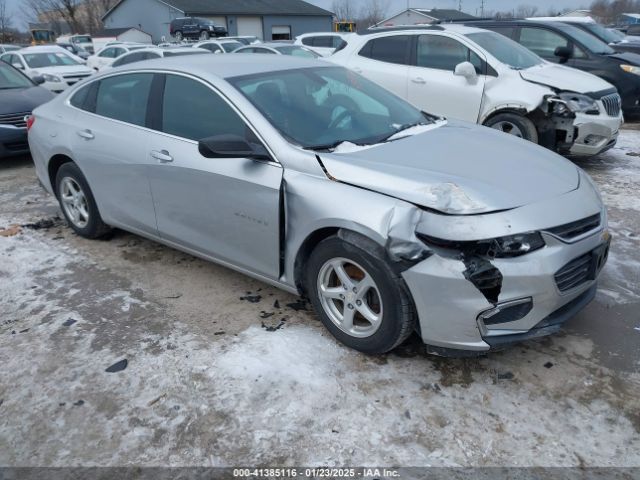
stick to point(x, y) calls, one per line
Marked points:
point(228, 66)
point(273, 45)
point(450, 27)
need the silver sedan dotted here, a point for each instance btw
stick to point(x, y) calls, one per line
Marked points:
point(312, 178)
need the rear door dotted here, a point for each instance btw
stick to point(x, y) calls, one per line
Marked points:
point(224, 208)
point(385, 60)
point(435, 88)
point(108, 143)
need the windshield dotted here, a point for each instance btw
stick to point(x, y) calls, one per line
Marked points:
point(320, 108)
point(297, 52)
point(11, 78)
point(231, 46)
point(602, 33)
point(587, 39)
point(49, 59)
point(506, 50)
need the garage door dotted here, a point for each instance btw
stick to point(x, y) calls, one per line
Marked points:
point(281, 32)
point(250, 26)
point(220, 21)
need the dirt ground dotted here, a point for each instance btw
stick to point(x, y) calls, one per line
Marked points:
point(223, 370)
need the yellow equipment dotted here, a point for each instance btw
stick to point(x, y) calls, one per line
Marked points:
point(344, 27)
point(41, 36)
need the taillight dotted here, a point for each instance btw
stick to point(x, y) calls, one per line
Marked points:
point(30, 121)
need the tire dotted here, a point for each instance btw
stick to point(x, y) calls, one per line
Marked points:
point(86, 221)
point(514, 124)
point(178, 36)
point(205, 35)
point(388, 298)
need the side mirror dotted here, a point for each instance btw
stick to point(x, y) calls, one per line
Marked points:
point(230, 146)
point(38, 79)
point(218, 52)
point(465, 69)
point(564, 53)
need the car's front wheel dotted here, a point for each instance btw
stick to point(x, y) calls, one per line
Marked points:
point(358, 297)
point(178, 36)
point(77, 202)
point(514, 124)
point(204, 35)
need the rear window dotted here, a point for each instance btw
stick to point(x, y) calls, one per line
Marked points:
point(393, 49)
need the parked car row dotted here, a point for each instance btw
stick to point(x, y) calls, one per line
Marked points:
point(389, 219)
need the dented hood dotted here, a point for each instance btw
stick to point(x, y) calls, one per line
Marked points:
point(459, 168)
point(564, 78)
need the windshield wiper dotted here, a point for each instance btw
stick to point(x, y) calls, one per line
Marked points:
point(402, 128)
point(327, 147)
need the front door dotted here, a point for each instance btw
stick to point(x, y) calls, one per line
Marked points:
point(435, 88)
point(225, 208)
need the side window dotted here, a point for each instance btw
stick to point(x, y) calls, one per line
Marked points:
point(262, 50)
point(506, 31)
point(118, 51)
point(392, 49)
point(124, 97)
point(212, 47)
point(7, 59)
point(308, 41)
point(439, 52)
point(194, 111)
point(540, 41)
point(324, 41)
point(337, 42)
point(79, 99)
point(108, 53)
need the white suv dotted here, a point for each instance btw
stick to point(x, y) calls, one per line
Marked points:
point(483, 77)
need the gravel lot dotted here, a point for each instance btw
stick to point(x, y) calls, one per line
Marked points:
point(224, 370)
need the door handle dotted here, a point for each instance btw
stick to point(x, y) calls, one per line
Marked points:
point(419, 80)
point(86, 134)
point(163, 156)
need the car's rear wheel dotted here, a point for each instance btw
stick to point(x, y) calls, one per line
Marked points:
point(514, 124)
point(204, 35)
point(358, 297)
point(178, 36)
point(77, 202)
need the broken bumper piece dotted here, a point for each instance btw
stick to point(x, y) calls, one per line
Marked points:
point(538, 292)
point(594, 134)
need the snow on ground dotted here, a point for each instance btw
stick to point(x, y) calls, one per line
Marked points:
point(215, 380)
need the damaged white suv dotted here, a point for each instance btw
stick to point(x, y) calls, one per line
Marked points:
point(483, 77)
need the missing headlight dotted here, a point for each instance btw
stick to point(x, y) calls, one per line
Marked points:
point(502, 247)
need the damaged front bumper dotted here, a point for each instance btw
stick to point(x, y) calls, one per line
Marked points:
point(594, 134)
point(487, 303)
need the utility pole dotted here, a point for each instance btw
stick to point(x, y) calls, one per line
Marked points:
point(460, 5)
point(481, 8)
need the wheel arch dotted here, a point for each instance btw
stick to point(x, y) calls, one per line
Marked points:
point(54, 165)
point(355, 234)
point(517, 109)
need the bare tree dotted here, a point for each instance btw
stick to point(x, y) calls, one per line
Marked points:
point(56, 11)
point(524, 11)
point(373, 12)
point(5, 21)
point(344, 9)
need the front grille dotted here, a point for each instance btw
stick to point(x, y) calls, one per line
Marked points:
point(573, 230)
point(15, 119)
point(574, 273)
point(75, 78)
point(582, 269)
point(612, 104)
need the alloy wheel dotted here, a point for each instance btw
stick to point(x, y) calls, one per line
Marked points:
point(350, 297)
point(74, 202)
point(508, 127)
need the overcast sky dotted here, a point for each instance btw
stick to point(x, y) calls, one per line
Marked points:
point(469, 6)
